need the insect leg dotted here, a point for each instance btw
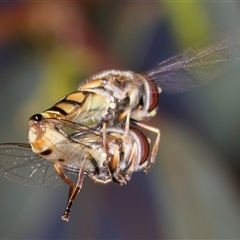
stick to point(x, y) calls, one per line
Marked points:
point(104, 126)
point(127, 123)
point(65, 179)
point(131, 163)
point(94, 176)
point(76, 190)
point(155, 145)
point(126, 114)
point(114, 167)
point(97, 179)
point(102, 181)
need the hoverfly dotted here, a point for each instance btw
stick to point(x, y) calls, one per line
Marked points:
point(58, 149)
point(118, 98)
point(129, 97)
point(89, 132)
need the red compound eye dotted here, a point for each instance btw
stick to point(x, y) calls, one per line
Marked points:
point(144, 145)
point(153, 95)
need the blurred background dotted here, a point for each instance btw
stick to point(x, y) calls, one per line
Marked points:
point(47, 49)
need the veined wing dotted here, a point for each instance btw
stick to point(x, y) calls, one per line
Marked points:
point(84, 135)
point(19, 164)
point(198, 65)
point(69, 128)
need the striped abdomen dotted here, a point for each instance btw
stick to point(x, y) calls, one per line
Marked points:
point(82, 107)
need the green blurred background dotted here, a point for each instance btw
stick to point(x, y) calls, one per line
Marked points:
point(46, 49)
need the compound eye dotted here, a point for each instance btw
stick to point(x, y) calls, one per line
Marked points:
point(36, 117)
point(144, 148)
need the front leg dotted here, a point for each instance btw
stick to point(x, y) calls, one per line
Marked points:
point(125, 114)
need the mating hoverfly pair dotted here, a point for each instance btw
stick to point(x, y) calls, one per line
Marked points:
point(91, 132)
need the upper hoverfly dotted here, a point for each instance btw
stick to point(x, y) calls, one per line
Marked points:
point(89, 132)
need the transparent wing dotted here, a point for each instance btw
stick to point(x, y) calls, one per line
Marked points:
point(84, 135)
point(19, 164)
point(198, 65)
point(69, 128)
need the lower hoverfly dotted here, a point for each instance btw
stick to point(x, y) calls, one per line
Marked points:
point(73, 149)
point(89, 132)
